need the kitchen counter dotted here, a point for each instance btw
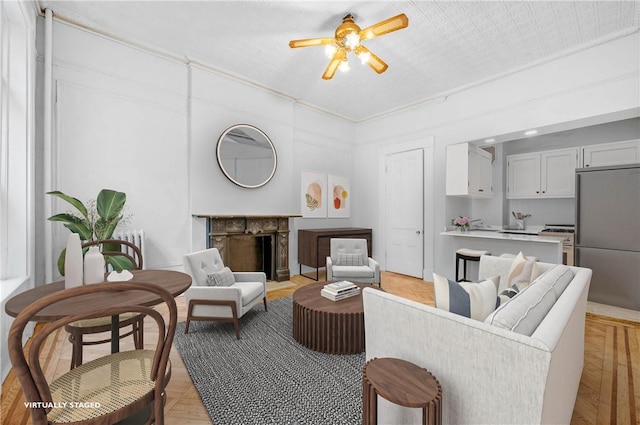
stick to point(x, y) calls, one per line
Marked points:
point(513, 235)
point(547, 249)
point(530, 229)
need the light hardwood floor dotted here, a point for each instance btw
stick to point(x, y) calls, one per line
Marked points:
point(609, 391)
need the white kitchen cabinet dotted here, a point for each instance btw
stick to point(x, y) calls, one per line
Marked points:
point(469, 171)
point(548, 174)
point(611, 154)
point(523, 176)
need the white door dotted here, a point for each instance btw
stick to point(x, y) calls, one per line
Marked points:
point(404, 211)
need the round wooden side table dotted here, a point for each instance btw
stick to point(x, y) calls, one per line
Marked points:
point(402, 383)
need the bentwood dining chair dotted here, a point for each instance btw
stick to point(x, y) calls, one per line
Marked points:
point(126, 255)
point(105, 390)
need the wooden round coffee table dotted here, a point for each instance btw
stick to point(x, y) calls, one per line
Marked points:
point(333, 327)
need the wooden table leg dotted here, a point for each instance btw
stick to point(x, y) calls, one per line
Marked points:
point(115, 334)
point(369, 402)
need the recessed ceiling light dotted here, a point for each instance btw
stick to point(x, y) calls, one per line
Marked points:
point(530, 132)
point(489, 140)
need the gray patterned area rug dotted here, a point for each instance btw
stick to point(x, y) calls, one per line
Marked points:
point(266, 377)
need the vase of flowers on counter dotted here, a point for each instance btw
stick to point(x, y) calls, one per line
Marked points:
point(462, 223)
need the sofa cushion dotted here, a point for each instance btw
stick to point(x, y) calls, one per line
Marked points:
point(524, 312)
point(353, 259)
point(342, 272)
point(222, 277)
point(249, 290)
point(469, 299)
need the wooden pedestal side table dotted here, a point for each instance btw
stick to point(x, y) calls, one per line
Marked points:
point(402, 383)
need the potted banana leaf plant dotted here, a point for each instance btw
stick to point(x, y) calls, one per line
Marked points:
point(96, 220)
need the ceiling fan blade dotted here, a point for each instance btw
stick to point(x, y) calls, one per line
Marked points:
point(309, 42)
point(384, 27)
point(338, 57)
point(374, 62)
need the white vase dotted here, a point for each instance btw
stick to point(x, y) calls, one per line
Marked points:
point(73, 262)
point(93, 266)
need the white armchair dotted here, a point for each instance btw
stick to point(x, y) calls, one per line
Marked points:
point(220, 303)
point(350, 260)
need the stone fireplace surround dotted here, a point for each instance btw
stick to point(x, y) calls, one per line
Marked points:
point(241, 238)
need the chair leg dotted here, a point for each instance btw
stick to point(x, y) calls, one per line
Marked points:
point(189, 313)
point(75, 338)
point(138, 333)
point(264, 300)
point(227, 303)
point(464, 264)
point(236, 325)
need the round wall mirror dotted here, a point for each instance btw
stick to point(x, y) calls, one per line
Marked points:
point(246, 156)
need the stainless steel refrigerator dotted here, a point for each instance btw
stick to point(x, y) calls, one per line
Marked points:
point(608, 232)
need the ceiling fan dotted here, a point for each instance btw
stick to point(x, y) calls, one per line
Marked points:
point(348, 38)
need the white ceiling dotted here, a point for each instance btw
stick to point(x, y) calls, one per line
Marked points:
point(447, 46)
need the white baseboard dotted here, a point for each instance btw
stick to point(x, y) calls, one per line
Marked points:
point(612, 311)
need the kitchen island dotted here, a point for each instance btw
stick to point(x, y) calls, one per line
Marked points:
point(547, 249)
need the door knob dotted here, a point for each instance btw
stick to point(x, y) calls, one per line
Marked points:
point(417, 232)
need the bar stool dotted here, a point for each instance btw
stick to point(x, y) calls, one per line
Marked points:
point(465, 255)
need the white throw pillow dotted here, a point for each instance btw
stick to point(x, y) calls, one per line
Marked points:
point(223, 277)
point(522, 272)
point(469, 299)
point(353, 259)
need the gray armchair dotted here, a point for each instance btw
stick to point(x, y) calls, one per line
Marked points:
point(350, 261)
point(220, 303)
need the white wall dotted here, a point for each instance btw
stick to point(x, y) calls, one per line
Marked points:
point(147, 125)
point(598, 81)
point(323, 144)
point(150, 105)
point(121, 123)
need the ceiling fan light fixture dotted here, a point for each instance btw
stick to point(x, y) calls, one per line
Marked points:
point(363, 54)
point(348, 38)
point(330, 50)
point(352, 40)
point(344, 66)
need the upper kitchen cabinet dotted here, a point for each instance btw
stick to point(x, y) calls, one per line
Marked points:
point(549, 174)
point(616, 153)
point(468, 171)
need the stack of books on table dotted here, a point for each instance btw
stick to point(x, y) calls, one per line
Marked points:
point(339, 290)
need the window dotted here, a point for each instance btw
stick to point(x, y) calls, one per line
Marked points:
point(17, 64)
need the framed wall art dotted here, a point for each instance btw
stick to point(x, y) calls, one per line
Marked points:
point(339, 193)
point(313, 199)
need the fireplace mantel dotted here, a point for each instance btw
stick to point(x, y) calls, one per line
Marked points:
point(224, 229)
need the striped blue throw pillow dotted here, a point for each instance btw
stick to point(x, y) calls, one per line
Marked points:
point(469, 299)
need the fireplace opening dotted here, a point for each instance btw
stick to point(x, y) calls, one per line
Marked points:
point(252, 253)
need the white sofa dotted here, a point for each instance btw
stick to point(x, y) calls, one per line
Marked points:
point(489, 375)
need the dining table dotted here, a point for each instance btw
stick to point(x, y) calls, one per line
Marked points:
point(173, 281)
